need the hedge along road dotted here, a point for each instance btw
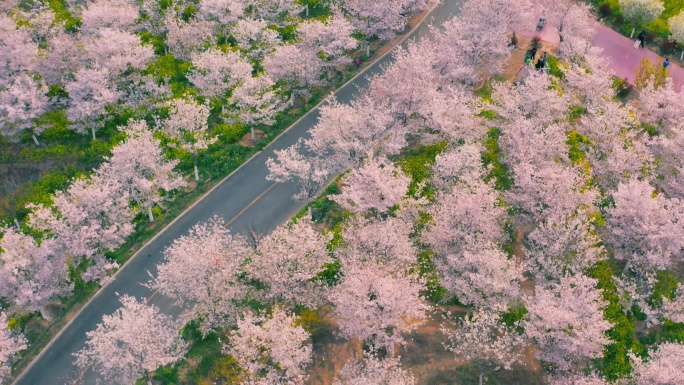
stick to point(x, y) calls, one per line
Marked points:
point(245, 199)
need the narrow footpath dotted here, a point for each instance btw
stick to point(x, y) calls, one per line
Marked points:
point(624, 58)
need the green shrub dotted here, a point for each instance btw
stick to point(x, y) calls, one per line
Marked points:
point(554, 67)
point(417, 165)
point(230, 133)
point(491, 159)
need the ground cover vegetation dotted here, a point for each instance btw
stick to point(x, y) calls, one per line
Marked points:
point(116, 114)
point(537, 222)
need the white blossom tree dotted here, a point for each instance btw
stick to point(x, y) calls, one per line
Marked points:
point(11, 344)
point(188, 123)
point(288, 260)
point(484, 340)
point(132, 342)
point(641, 12)
point(272, 349)
point(677, 29)
point(202, 270)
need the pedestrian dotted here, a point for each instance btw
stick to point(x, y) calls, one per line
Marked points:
point(642, 38)
point(357, 62)
point(534, 52)
point(541, 63)
point(528, 57)
point(666, 63)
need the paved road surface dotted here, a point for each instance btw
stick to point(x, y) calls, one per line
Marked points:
point(624, 58)
point(245, 198)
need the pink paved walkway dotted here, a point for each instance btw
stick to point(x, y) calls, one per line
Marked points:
point(624, 58)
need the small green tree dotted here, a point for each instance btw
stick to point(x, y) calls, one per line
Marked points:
point(647, 71)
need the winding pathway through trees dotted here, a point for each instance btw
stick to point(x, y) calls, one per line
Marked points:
point(245, 199)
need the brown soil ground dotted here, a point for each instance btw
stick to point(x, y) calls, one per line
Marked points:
point(517, 58)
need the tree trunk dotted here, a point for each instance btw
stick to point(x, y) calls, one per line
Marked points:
point(251, 130)
point(223, 108)
point(307, 9)
point(16, 223)
point(292, 99)
point(481, 372)
point(681, 57)
point(194, 160)
point(368, 50)
point(308, 209)
point(631, 35)
point(156, 120)
point(149, 212)
point(35, 140)
point(93, 129)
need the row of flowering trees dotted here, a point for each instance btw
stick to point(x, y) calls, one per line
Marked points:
point(558, 162)
point(91, 61)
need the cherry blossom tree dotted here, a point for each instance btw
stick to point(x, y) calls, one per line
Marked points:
point(309, 174)
point(17, 52)
point(478, 38)
point(673, 309)
point(571, 20)
point(10, 345)
point(382, 18)
point(132, 342)
point(62, 56)
point(481, 276)
point(22, 102)
point(255, 101)
point(330, 38)
point(184, 38)
point(562, 245)
point(373, 370)
point(202, 269)
point(386, 242)
point(140, 167)
point(663, 367)
point(216, 72)
point(188, 123)
point(466, 217)
point(377, 306)
point(272, 9)
point(578, 379)
point(641, 12)
point(31, 274)
point(88, 218)
point(460, 164)
point(298, 66)
point(378, 185)
point(287, 261)
point(566, 321)
point(115, 14)
point(90, 94)
point(484, 340)
point(645, 229)
point(223, 11)
point(345, 133)
point(118, 51)
point(254, 38)
point(591, 78)
point(656, 106)
point(272, 349)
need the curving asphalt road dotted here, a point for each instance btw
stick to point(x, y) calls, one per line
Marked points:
point(245, 198)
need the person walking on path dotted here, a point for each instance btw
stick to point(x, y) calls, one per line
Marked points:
point(666, 63)
point(642, 39)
